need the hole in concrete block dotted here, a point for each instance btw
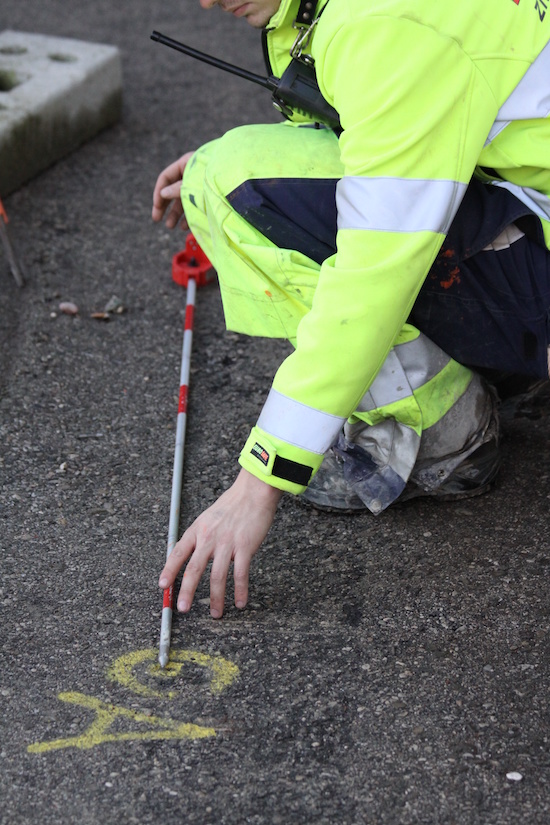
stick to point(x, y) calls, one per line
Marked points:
point(63, 58)
point(13, 50)
point(8, 80)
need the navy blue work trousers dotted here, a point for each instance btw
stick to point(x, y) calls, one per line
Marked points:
point(487, 309)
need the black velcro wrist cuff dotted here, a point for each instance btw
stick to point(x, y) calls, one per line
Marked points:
point(292, 471)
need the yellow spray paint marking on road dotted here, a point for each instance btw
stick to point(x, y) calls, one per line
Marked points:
point(122, 671)
point(222, 671)
point(97, 733)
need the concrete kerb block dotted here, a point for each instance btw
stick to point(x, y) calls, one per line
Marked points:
point(55, 94)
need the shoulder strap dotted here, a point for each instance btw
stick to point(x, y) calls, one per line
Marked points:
point(306, 12)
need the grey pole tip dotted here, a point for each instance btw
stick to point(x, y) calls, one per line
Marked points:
point(163, 659)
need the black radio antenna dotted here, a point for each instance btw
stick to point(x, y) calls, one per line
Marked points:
point(267, 83)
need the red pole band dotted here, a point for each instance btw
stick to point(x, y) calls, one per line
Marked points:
point(189, 316)
point(168, 600)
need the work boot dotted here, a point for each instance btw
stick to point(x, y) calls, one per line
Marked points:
point(473, 477)
point(458, 458)
point(532, 403)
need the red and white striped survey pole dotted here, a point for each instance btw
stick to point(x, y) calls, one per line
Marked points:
point(190, 268)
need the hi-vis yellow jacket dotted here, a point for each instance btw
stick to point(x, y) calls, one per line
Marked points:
point(429, 94)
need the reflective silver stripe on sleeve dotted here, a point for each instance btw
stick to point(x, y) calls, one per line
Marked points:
point(391, 384)
point(297, 424)
point(536, 201)
point(408, 367)
point(421, 359)
point(397, 204)
point(531, 97)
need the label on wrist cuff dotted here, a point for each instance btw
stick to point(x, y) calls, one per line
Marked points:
point(267, 462)
point(265, 454)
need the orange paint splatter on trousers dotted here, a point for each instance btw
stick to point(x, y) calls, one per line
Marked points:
point(454, 278)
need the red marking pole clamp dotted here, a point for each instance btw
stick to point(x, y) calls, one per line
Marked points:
point(191, 262)
point(190, 268)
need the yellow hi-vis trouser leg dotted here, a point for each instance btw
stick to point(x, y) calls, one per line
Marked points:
point(267, 289)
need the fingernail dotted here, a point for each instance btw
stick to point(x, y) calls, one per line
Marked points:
point(165, 193)
point(183, 606)
point(215, 613)
point(163, 583)
point(240, 605)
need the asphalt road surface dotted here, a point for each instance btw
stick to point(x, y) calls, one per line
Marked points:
point(389, 670)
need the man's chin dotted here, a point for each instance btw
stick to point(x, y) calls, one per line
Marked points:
point(257, 21)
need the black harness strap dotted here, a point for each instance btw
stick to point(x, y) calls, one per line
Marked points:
point(306, 12)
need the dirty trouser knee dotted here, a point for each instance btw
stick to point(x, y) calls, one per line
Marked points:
point(267, 285)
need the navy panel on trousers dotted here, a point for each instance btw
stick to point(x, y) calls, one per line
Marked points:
point(485, 309)
point(293, 213)
point(489, 309)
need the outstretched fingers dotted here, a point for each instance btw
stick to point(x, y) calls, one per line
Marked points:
point(218, 582)
point(187, 550)
point(229, 531)
point(175, 561)
point(241, 571)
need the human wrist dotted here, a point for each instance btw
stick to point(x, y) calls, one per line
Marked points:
point(263, 493)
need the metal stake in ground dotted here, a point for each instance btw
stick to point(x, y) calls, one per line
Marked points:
point(15, 267)
point(190, 268)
